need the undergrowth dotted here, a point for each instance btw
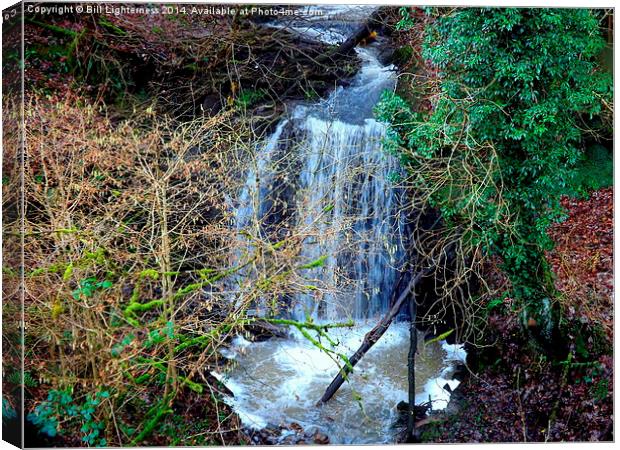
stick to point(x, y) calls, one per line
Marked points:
point(133, 273)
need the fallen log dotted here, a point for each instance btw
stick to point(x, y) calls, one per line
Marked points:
point(372, 24)
point(371, 338)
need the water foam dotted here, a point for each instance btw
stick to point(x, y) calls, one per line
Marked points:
point(279, 381)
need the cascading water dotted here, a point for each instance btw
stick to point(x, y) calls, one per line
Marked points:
point(343, 178)
point(346, 173)
point(343, 199)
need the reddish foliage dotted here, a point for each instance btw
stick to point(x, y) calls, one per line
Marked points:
point(159, 40)
point(522, 398)
point(519, 396)
point(583, 259)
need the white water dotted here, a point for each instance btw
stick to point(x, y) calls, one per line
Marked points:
point(279, 381)
point(345, 204)
point(350, 212)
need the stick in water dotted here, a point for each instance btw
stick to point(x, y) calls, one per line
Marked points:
point(413, 348)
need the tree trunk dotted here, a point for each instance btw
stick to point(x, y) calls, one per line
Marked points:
point(371, 338)
point(413, 348)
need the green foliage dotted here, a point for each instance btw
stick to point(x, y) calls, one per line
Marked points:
point(403, 54)
point(118, 348)
point(495, 303)
point(89, 286)
point(600, 390)
point(157, 337)
point(406, 22)
point(153, 417)
point(60, 407)
point(505, 128)
point(16, 379)
point(595, 172)
point(249, 97)
point(432, 432)
point(184, 433)
point(90, 427)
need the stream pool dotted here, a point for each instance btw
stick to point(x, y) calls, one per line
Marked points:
point(279, 381)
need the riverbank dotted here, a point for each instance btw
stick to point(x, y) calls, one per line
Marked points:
point(516, 395)
point(540, 346)
point(181, 65)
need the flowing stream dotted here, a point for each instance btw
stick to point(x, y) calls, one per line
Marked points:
point(338, 188)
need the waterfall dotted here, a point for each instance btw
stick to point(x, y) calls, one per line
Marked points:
point(251, 205)
point(324, 177)
point(345, 176)
point(333, 186)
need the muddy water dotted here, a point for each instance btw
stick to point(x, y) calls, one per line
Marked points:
point(279, 382)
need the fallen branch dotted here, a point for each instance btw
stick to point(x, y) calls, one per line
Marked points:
point(371, 338)
point(379, 330)
point(309, 325)
point(413, 348)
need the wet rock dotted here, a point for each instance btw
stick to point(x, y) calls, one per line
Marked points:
point(386, 56)
point(320, 438)
point(455, 403)
point(270, 435)
point(211, 105)
point(460, 372)
point(296, 427)
point(259, 330)
point(286, 434)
